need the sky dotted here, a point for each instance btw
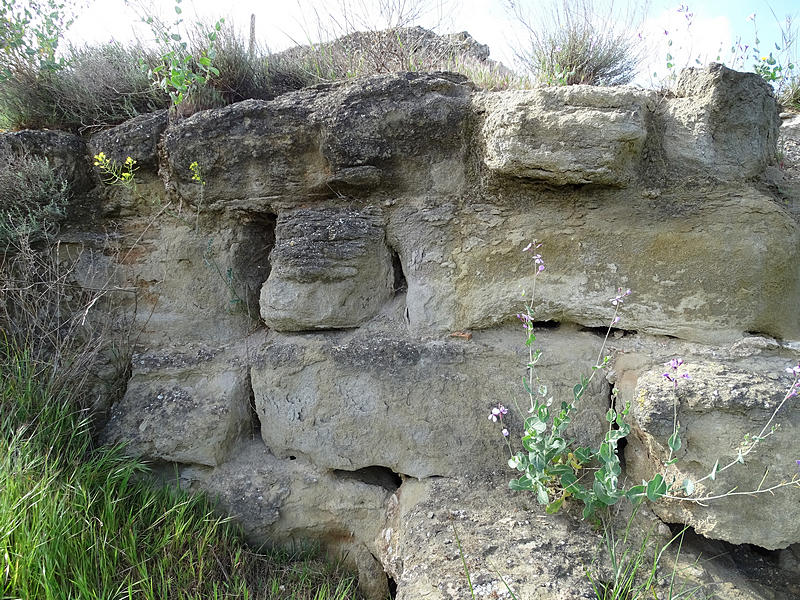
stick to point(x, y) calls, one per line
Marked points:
point(699, 31)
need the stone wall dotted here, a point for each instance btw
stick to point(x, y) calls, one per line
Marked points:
point(324, 326)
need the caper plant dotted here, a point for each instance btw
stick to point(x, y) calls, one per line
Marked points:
point(181, 73)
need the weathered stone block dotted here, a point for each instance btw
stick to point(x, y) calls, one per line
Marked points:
point(249, 150)
point(349, 401)
point(722, 123)
point(373, 131)
point(291, 502)
point(194, 285)
point(695, 273)
point(716, 408)
point(182, 407)
point(137, 138)
point(563, 136)
point(330, 269)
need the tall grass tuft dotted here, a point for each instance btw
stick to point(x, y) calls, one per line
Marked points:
point(790, 95)
point(79, 522)
point(580, 42)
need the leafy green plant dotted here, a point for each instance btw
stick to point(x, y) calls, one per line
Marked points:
point(777, 66)
point(30, 33)
point(181, 73)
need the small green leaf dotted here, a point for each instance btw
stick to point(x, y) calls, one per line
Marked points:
point(674, 441)
point(541, 495)
point(583, 454)
point(605, 452)
point(178, 9)
point(523, 483)
point(175, 36)
point(611, 415)
point(656, 487)
point(636, 493)
point(554, 506)
point(688, 486)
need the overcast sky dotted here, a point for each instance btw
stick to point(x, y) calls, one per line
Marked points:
point(710, 30)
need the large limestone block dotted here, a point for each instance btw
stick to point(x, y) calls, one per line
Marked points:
point(706, 264)
point(411, 127)
point(137, 138)
point(505, 538)
point(329, 139)
point(721, 124)
point(194, 284)
point(330, 269)
point(291, 502)
point(571, 135)
point(716, 409)
point(380, 398)
point(252, 149)
point(187, 406)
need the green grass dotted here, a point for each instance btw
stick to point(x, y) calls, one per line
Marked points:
point(81, 522)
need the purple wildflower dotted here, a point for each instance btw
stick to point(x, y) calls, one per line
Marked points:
point(537, 258)
point(505, 433)
point(527, 321)
point(673, 375)
point(497, 413)
point(619, 298)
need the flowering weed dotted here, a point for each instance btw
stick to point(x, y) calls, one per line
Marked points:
point(555, 468)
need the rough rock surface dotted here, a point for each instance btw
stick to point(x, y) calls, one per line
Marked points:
point(465, 268)
point(722, 123)
point(185, 407)
point(290, 501)
point(569, 135)
point(717, 409)
point(330, 269)
point(194, 285)
point(137, 138)
point(298, 144)
point(387, 217)
point(380, 398)
point(393, 45)
point(506, 540)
